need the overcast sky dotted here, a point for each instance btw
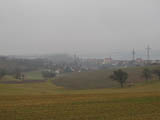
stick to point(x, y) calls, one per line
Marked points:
point(78, 26)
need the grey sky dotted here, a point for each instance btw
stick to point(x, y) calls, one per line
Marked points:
point(78, 26)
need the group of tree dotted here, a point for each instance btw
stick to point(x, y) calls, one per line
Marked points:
point(122, 76)
point(10, 64)
point(157, 72)
point(48, 74)
point(2, 73)
point(17, 73)
point(148, 73)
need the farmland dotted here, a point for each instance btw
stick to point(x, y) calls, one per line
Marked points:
point(83, 105)
point(47, 101)
point(99, 79)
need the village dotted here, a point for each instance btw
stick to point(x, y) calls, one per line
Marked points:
point(86, 64)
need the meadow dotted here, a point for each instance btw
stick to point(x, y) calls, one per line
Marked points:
point(47, 101)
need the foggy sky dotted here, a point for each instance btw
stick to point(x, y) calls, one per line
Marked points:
point(78, 26)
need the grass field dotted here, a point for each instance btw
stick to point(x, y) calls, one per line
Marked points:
point(46, 101)
point(121, 106)
point(34, 75)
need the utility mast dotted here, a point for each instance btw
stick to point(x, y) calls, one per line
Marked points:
point(133, 55)
point(148, 53)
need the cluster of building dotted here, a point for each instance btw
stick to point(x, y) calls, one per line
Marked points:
point(109, 62)
point(86, 64)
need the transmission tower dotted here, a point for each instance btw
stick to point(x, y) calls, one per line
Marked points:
point(133, 55)
point(148, 53)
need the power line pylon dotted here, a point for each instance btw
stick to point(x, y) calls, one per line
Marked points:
point(148, 53)
point(133, 55)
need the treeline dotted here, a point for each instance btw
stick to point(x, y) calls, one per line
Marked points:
point(122, 76)
point(13, 66)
